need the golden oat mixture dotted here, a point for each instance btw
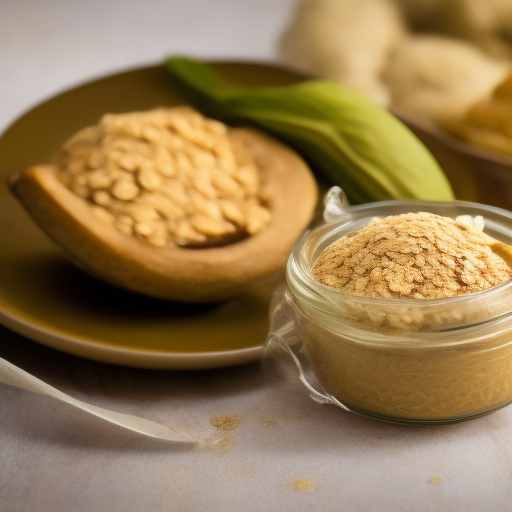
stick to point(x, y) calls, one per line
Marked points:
point(415, 255)
point(166, 176)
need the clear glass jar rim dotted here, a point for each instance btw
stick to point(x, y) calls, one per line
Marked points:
point(310, 292)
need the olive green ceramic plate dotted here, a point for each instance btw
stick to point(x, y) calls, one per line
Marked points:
point(45, 298)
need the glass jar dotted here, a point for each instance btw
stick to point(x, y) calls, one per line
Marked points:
point(404, 360)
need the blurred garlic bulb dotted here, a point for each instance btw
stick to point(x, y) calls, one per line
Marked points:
point(344, 40)
point(439, 77)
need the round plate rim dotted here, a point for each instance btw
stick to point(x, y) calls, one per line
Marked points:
point(102, 351)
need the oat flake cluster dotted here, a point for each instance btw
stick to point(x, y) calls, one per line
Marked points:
point(167, 176)
point(414, 255)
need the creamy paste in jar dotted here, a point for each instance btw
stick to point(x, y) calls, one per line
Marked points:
point(409, 362)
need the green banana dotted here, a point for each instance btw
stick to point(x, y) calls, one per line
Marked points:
point(342, 134)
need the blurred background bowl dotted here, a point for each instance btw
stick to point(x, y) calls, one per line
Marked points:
point(476, 173)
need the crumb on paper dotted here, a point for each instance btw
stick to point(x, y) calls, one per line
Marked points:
point(220, 443)
point(226, 422)
point(300, 484)
point(436, 480)
point(268, 422)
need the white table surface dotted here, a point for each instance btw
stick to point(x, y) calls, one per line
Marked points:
point(54, 458)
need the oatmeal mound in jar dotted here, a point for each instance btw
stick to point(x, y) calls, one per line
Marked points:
point(415, 255)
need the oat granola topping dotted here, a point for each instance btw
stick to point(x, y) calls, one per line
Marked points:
point(167, 176)
point(414, 255)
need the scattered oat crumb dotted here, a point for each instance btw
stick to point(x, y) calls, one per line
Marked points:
point(300, 484)
point(436, 480)
point(226, 422)
point(220, 443)
point(267, 423)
